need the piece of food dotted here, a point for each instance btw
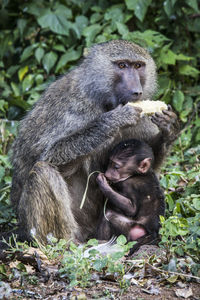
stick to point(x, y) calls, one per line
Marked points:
point(149, 107)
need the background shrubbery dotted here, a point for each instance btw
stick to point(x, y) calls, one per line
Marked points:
point(40, 40)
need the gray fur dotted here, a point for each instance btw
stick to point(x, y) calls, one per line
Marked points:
point(66, 136)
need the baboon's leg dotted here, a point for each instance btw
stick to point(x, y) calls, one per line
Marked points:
point(45, 205)
point(104, 230)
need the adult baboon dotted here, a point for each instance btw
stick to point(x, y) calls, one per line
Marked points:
point(69, 132)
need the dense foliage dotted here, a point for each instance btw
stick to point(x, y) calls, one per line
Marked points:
point(42, 39)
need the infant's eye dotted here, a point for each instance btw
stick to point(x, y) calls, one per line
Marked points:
point(116, 167)
point(122, 65)
point(137, 65)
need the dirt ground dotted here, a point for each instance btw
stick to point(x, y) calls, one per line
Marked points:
point(46, 284)
point(54, 289)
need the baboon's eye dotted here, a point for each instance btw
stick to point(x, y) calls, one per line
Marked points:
point(137, 65)
point(122, 65)
point(116, 167)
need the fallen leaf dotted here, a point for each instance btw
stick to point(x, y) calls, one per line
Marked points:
point(184, 293)
point(172, 279)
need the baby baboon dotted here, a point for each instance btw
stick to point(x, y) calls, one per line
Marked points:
point(135, 199)
point(69, 132)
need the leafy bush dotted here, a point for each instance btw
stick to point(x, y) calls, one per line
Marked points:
point(42, 39)
point(180, 232)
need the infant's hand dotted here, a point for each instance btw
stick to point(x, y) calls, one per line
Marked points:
point(102, 181)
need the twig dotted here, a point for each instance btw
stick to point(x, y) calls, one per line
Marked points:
point(5, 188)
point(195, 16)
point(174, 273)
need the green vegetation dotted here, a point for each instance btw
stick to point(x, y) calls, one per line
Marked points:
point(42, 39)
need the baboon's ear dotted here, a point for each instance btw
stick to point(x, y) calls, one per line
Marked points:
point(145, 165)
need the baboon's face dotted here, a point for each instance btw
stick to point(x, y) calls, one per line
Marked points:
point(120, 168)
point(128, 83)
point(117, 72)
point(129, 80)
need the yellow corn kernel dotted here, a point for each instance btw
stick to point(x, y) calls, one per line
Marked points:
point(149, 107)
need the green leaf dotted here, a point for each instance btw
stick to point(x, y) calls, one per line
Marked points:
point(92, 242)
point(3, 105)
point(49, 61)
point(196, 203)
point(71, 55)
point(115, 14)
point(188, 104)
point(20, 266)
point(15, 88)
point(63, 10)
point(2, 172)
point(122, 28)
point(96, 17)
point(36, 9)
point(81, 23)
point(90, 33)
point(59, 47)
point(193, 4)
point(170, 202)
point(184, 57)
point(172, 279)
point(189, 71)
point(153, 39)
point(11, 71)
point(117, 255)
point(39, 53)
point(73, 247)
point(167, 96)
point(21, 24)
point(99, 264)
point(27, 83)
point(57, 23)
point(168, 7)
point(22, 72)
point(34, 97)
point(178, 100)
point(3, 269)
point(168, 57)
point(39, 79)
point(183, 115)
point(5, 160)
point(121, 240)
point(27, 52)
point(172, 265)
point(139, 6)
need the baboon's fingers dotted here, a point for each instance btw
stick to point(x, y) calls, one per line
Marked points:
point(171, 114)
point(161, 119)
point(166, 116)
point(169, 107)
point(162, 124)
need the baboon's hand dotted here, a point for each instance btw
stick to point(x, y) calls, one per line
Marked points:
point(167, 122)
point(102, 182)
point(126, 115)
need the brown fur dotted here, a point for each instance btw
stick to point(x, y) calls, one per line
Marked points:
point(135, 198)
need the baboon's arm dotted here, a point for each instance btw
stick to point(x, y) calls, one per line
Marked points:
point(97, 134)
point(128, 205)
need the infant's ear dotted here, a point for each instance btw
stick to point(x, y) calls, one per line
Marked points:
point(145, 165)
